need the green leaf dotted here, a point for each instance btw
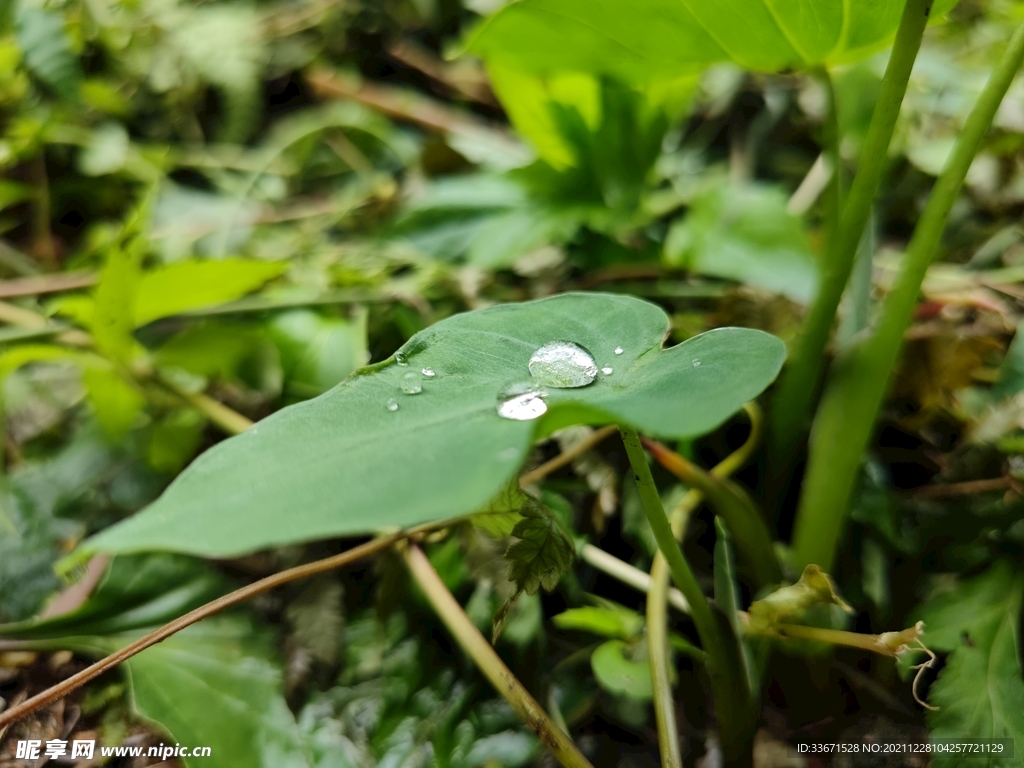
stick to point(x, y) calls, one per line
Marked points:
point(137, 591)
point(47, 50)
point(114, 301)
point(544, 552)
point(656, 39)
point(614, 621)
point(116, 402)
point(979, 692)
point(190, 285)
point(346, 464)
point(106, 152)
point(318, 352)
point(619, 673)
point(14, 192)
point(215, 685)
point(745, 233)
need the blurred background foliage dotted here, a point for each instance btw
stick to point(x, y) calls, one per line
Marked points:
point(243, 202)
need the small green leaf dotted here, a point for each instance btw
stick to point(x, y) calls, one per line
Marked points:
point(47, 50)
point(544, 552)
point(116, 402)
point(745, 233)
point(979, 692)
point(114, 301)
point(320, 468)
point(615, 622)
point(190, 285)
point(619, 673)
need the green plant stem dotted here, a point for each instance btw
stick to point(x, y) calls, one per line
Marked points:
point(794, 397)
point(629, 575)
point(848, 410)
point(661, 661)
point(484, 656)
point(747, 525)
point(733, 700)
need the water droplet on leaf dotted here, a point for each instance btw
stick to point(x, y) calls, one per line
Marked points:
point(411, 384)
point(428, 372)
point(392, 405)
point(696, 363)
point(400, 359)
point(522, 402)
point(607, 370)
point(563, 364)
point(618, 350)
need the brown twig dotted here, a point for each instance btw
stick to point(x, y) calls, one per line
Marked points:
point(545, 469)
point(399, 104)
point(33, 286)
point(93, 671)
point(468, 81)
point(966, 488)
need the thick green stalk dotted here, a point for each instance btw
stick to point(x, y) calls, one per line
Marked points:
point(794, 398)
point(847, 414)
point(733, 701)
point(487, 660)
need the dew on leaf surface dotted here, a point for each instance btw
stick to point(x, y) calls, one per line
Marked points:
point(392, 404)
point(522, 402)
point(696, 363)
point(400, 359)
point(428, 372)
point(618, 350)
point(411, 383)
point(607, 370)
point(563, 364)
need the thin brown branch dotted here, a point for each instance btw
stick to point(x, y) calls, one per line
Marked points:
point(461, 77)
point(566, 457)
point(967, 488)
point(33, 286)
point(76, 681)
point(404, 105)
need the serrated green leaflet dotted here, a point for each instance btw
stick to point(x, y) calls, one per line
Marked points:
point(346, 463)
point(655, 39)
point(979, 692)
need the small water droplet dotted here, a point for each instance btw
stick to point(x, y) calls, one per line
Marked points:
point(411, 384)
point(400, 359)
point(392, 404)
point(618, 350)
point(696, 363)
point(508, 454)
point(522, 402)
point(607, 370)
point(428, 372)
point(563, 364)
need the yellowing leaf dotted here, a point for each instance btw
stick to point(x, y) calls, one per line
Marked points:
point(814, 588)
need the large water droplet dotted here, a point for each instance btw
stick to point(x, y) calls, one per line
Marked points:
point(607, 370)
point(696, 363)
point(428, 372)
point(392, 404)
point(522, 402)
point(563, 364)
point(618, 350)
point(411, 384)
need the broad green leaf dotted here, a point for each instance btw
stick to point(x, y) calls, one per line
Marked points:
point(317, 352)
point(114, 301)
point(351, 462)
point(745, 233)
point(619, 673)
point(979, 692)
point(47, 50)
point(190, 285)
point(655, 39)
point(117, 403)
point(215, 685)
